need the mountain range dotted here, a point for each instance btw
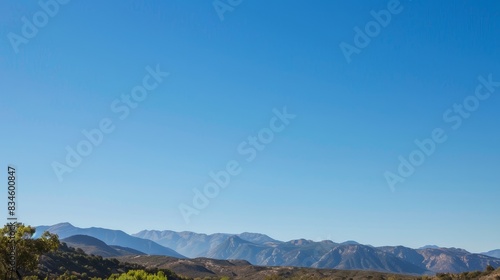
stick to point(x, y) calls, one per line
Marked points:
point(260, 249)
point(110, 237)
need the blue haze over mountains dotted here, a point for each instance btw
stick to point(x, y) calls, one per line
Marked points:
point(260, 249)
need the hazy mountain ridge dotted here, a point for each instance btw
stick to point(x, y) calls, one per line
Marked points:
point(110, 237)
point(260, 249)
point(193, 244)
point(493, 253)
point(94, 246)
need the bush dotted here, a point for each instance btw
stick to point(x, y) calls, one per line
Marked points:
point(474, 274)
point(444, 276)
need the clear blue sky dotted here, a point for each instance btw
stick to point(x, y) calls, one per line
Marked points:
point(320, 178)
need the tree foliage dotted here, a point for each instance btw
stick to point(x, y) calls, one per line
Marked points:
point(139, 275)
point(27, 249)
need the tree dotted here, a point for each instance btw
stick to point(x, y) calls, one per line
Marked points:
point(139, 275)
point(28, 250)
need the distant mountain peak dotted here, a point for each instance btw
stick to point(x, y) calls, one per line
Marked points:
point(63, 225)
point(350, 242)
point(258, 238)
point(300, 242)
point(429, 247)
point(493, 253)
